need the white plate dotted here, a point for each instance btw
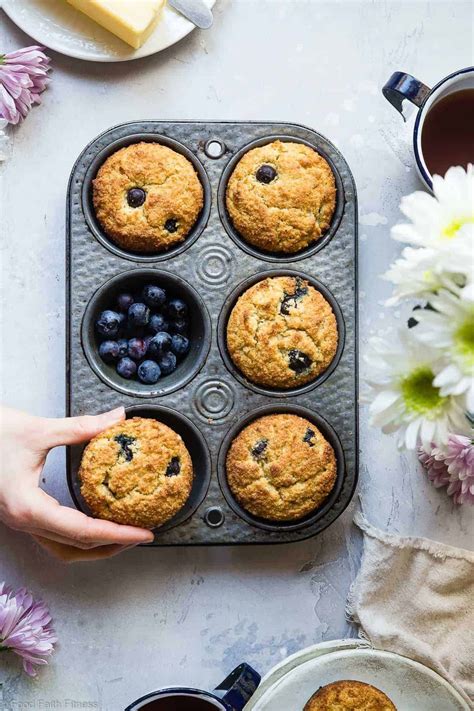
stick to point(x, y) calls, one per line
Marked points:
point(410, 685)
point(57, 25)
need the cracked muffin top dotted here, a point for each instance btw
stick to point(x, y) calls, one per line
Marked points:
point(280, 467)
point(282, 333)
point(147, 197)
point(281, 197)
point(349, 696)
point(138, 472)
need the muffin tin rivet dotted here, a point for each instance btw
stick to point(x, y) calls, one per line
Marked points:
point(214, 517)
point(214, 148)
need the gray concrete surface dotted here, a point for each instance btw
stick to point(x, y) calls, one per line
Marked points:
point(159, 617)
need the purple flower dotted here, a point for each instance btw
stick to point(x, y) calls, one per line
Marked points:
point(452, 466)
point(23, 76)
point(25, 627)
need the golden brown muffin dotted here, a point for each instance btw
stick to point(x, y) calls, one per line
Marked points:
point(138, 472)
point(349, 696)
point(281, 197)
point(282, 333)
point(147, 197)
point(280, 467)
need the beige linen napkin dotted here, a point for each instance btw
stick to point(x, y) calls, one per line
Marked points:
point(415, 597)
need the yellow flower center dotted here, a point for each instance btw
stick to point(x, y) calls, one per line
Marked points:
point(419, 393)
point(464, 339)
point(451, 230)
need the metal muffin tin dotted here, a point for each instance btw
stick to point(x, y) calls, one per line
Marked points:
point(207, 400)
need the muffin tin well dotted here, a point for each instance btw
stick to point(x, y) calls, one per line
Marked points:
point(95, 226)
point(196, 446)
point(279, 257)
point(200, 331)
point(206, 399)
point(328, 433)
point(227, 310)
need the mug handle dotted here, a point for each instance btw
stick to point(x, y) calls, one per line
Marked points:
point(403, 86)
point(238, 687)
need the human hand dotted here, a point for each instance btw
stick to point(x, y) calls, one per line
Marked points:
point(66, 533)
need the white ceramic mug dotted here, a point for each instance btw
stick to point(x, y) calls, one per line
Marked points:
point(401, 87)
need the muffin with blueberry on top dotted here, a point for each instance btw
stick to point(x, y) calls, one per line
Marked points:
point(282, 333)
point(280, 467)
point(138, 472)
point(349, 695)
point(281, 197)
point(147, 197)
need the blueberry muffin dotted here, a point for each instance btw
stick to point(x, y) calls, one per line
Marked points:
point(147, 197)
point(138, 472)
point(282, 333)
point(280, 468)
point(281, 197)
point(349, 696)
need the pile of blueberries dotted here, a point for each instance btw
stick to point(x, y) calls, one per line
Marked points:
point(145, 336)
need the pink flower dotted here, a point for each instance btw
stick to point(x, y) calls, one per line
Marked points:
point(452, 466)
point(25, 627)
point(23, 76)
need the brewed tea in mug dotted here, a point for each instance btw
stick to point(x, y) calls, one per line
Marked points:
point(447, 136)
point(180, 703)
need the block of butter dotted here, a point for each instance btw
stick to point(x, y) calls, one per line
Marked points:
point(131, 20)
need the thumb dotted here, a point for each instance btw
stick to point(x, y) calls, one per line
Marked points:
point(73, 430)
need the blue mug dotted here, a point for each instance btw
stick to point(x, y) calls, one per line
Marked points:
point(402, 87)
point(231, 695)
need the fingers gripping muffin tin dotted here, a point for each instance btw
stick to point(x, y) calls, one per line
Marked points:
point(207, 400)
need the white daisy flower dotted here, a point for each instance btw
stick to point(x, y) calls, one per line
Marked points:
point(450, 330)
point(403, 397)
point(443, 222)
point(413, 276)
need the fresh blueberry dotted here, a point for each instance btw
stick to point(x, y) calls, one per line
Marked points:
point(136, 348)
point(159, 344)
point(167, 363)
point(177, 309)
point(149, 372)
point(136, 197)
point(109, 351)
point(171, 225)
point(124, 301)
point(123, 347)
point(157, 323)
point(147, 340)
point(153, 296)
point(179, 344)
point(126, 367)
point(122, 320)
point(107, 325)
point(179, 326)
point(266, 174)
point(138, 314)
